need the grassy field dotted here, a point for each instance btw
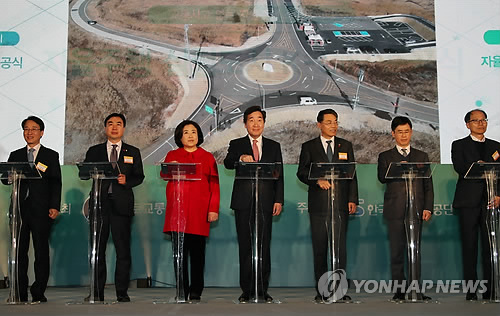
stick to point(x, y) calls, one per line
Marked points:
point(105, 78)
point(422, 8)
point(210, 14)
point(164, 20)
point(413, 79)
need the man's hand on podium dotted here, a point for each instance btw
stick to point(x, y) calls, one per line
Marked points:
point(122, 179)
point(324, 184)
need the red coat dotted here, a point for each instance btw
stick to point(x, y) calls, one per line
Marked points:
point(198, 197)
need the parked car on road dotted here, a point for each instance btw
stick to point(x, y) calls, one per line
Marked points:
point(307, 101)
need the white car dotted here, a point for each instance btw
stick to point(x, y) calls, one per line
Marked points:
point(308, 101)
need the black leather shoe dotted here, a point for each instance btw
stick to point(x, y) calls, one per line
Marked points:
point(96, 299)
point(268, 298)
point(318, 299)
point(471, 297)
point(346, 298)
point(426, 298)
point(398, 296)
point(194, 298)
point(244, 298)
point(123, 299)
point(41, 299)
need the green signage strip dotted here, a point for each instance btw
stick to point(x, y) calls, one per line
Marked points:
point(9, 38)
point(492, 37)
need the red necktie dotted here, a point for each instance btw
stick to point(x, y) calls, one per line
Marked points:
point(255, 150)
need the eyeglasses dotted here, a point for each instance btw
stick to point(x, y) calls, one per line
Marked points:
point(330, 122)
point(483, 121)
point(31, 129)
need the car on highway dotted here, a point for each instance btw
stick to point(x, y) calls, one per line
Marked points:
point(307, 101)
point(91, 22)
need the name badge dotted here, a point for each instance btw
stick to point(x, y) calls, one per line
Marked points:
point(40, 166)
point(128, 159)
point(343, 156)
point(495, 155)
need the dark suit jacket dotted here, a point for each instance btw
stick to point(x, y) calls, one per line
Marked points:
point(347, 190)
point(470, 193)
point(122, 194)
point(44, 193)
point(395, 197)
point(271, 191)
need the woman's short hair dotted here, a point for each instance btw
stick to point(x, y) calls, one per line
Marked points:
point(180, 128)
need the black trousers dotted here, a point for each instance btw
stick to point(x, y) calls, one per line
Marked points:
point(321, 223)
point(120, 228)
point(473, 226)
point(399, 249)
point(245, 224)
point(193, 250)
point(39, 228)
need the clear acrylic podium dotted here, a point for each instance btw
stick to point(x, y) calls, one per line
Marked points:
point(409, 171)
point(98, 171)
point(16, 171)
point(489, 171)
point(333, 172)
point(179, 173)
point(257, 172)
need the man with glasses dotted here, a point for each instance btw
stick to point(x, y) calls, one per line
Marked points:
point(40, 201)
point(471, 198)
point(327, 148)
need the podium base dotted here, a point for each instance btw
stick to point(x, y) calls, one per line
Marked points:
point(175, 300)
point(415, 300)
point(23, 303)
point(492, 301)
point(259, 301)
point(88, 303)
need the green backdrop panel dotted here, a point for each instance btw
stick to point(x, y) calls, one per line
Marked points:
point(368, 251)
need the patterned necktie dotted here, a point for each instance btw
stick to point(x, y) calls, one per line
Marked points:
point(405, 152)
point(113, 159)
point(114, 156)
point(31, 157)
point(255, 150)
point(329, 151)
point(31, 161)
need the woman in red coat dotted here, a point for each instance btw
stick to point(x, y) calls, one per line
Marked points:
point(191, 209)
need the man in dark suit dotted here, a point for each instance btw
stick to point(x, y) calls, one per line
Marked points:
point(255, 148)
point(395, 199)
point(117, 203)
point(471, 198)
point(327, 148)
point(40, 201)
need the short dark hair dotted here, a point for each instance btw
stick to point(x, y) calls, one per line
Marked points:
point(467, 116)
point(250, 110)
point(34, 119)
point(400, 120)
point(115, 115)
point(321, 114)
point(180, 128)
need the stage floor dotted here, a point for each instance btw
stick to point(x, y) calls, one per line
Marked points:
point(219, 301)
